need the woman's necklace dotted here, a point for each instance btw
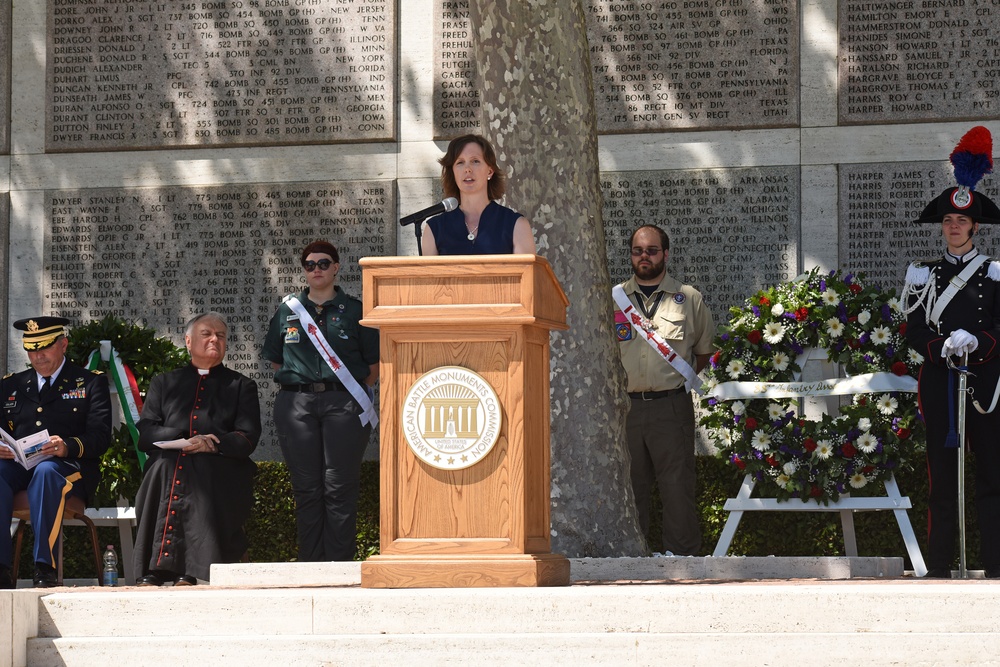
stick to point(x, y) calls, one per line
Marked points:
point(472, 232)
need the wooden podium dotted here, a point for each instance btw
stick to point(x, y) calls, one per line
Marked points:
point(488, 524)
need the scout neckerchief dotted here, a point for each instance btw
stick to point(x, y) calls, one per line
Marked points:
point(645, 325)
point(360, 395)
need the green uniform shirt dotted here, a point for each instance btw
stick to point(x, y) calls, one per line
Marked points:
point(339, 321)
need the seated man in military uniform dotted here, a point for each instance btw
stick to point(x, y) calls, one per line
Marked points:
point(74, 406)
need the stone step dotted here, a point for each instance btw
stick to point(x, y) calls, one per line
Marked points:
point(816, 649)
point(617, 612)
point(897, 607)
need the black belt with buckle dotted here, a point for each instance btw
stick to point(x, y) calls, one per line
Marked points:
point(653, 395)
point(313, 387)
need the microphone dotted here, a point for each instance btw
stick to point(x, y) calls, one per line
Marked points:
point(449, 204)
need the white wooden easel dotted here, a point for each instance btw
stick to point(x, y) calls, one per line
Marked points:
point(846, 506)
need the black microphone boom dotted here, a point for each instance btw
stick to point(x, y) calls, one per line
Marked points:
point(449, 204)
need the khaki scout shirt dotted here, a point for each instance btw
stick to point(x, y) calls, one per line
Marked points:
point(682, 319)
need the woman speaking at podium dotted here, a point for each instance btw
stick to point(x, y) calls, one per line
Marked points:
point(479, 226)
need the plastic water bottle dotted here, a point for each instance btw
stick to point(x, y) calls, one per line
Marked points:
point(110, 566)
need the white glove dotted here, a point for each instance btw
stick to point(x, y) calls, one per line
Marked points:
point(958, 343)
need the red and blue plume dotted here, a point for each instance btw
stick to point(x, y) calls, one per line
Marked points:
point(973, 157)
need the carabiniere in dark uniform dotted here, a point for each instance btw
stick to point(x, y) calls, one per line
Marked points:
point(954, 309)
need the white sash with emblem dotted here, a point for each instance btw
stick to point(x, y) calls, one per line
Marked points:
point(676, 361)
point(359, 393)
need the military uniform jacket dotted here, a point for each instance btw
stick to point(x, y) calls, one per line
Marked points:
point(78, 409)
point(975, 308)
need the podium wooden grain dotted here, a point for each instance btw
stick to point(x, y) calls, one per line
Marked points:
point(487, 525)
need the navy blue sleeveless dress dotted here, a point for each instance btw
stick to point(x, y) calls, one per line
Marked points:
point(495, 235)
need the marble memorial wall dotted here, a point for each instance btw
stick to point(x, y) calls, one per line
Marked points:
point(912, 60)
point(658, 65)
point(164, 254)
point(731, 230)
point(151, 73)
point(879, 203)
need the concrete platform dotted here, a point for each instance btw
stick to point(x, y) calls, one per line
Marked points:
point(821, 612)
point(282, 575)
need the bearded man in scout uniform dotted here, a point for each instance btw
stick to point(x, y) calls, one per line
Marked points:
point(74, 406)
point(665, 334)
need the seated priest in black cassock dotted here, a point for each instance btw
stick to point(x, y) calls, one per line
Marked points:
point(199, 425)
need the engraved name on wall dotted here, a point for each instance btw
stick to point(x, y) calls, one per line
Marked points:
point(732, 231)
point(661, 65)
point(878, 204)
point(123, 74)
point(918, 60)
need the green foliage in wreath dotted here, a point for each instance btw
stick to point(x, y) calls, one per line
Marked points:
point(147, 355)
point(862, 328)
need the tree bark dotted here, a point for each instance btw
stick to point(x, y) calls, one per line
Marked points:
point(538, 111)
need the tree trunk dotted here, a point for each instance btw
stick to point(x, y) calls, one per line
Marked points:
point(538, 111)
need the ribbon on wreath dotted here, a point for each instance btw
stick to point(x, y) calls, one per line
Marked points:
point(126, 388)
point(858, 384)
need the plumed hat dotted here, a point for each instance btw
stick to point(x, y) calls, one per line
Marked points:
point(972, 159)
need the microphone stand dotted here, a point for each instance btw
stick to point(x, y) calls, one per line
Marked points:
point(418, 231)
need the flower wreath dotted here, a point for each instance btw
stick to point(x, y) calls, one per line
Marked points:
point(860, 327)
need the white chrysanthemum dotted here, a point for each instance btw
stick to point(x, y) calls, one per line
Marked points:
point(761, 441)
point(880, 335)
point(790, 468)
point(863, 317)
point(916, 357)
point(780, 361)
point(895, 305)
point(864, 424)
point(734, 368)
point(708, 385)
point(834, 327)
point(858, 480)
point(775, 410)
point(887, 404)
point(777, 310)
point(739, 407)
point(774, 332)
point(824, 450)
point(782, 481)
point(866, 443)
point(726, 436)
point(830, 297)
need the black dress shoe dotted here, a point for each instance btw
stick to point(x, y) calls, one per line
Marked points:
point(991, 573)
point(938, 573)
point(45, 576)
point(149, 580)
point(6, 580)
point(185, 580)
